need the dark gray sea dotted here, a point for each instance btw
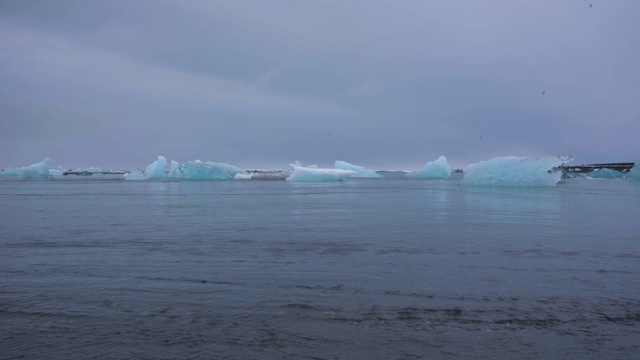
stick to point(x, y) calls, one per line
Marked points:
point(100, 268)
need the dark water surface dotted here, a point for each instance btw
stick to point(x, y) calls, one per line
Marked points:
point(360, 269)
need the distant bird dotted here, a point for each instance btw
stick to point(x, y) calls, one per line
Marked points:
point(543, 92)
point(590, 5)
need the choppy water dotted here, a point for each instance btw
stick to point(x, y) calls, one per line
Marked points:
point(371, 269)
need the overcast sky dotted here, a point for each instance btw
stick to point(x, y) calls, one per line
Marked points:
point(259, 84)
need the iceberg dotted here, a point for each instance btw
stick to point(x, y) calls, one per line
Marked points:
point(190, 170)
point(135, 175)
point(155, 170)
point(174, 172)
point(34, 171)
point(438, 169)
point(361, 171)
point(56, 172)
point(513, 171)
point(93, 169)
point(209, 170)
point(605, 174)
point(241, 176)
point(635, 171)
point(301, 173)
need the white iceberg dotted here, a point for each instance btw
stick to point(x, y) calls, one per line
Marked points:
point(438, 169)
point(241, 176)
point(301, 173)
point(56, 172)
point(135, 175)
point(361, 171)
point(34, 171)
point(513, 171)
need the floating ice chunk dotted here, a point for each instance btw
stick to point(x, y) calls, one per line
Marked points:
point(10, 172)
point(515, 171)
point(273, 174)
point(361, 171)
point(174, 172)
point(59, 171)
point(56, 172)
point(209, 170)
point(635, 171)
point(301, 173)
point(33, 171)
point(438, 169)
point(135, 175)
point(155, 170)
point(241, 176)
point(605, 174)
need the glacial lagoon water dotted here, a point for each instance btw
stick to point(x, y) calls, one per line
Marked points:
point(391, 268)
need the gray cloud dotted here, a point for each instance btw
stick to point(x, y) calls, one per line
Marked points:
point(260, 84)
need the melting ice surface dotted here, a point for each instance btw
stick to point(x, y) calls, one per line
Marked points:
point(361, 171)
point(515, 171)
point(438, 169)
point(301, 173)
point(34, 171)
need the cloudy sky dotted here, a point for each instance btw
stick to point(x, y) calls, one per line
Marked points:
point(258, 84)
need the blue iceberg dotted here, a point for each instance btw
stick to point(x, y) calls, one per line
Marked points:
point(34, 171)
point(174, 171)
point(605, 174)
point(197, 170)
point(361, 171)
point(155, 170)
point(301, 173)
point(209, 170)
point(135, 175)
point(513, 171)
point(635, 171)
point(438, 169)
